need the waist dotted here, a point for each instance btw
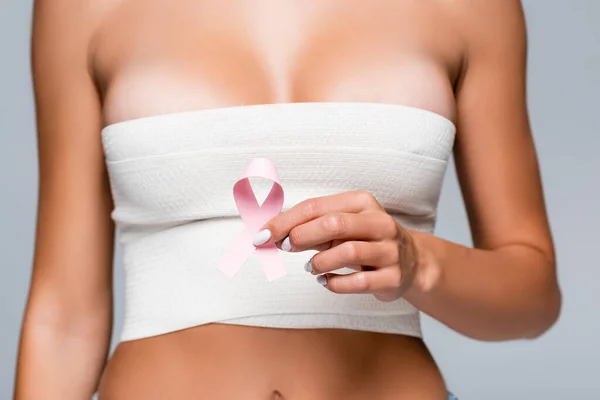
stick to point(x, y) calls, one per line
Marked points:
point(172, 283)
point(223, 361)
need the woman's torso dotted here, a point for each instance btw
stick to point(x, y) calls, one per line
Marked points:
point(157, 57)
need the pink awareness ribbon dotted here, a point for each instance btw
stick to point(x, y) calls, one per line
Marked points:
point(254, 217)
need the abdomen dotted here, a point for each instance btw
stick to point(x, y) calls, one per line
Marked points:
point(220, 361)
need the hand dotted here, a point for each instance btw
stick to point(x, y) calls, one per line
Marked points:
point(348, 230)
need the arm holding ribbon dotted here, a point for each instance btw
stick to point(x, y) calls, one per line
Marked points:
point(505, 287)
point(499, 293)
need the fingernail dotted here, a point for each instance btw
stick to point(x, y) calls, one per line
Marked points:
point(308, 266)
point(261, 237)
point(322, 279)
point(286, 245)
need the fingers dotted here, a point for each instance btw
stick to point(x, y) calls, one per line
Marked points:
point(280, 226)
point(353, 254)
point(384, 283)
point(341, 226)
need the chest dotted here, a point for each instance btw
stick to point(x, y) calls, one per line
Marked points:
point(157, 56)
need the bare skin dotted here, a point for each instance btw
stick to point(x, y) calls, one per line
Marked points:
point(98, 64)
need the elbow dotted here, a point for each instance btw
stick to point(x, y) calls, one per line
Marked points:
point(544, 305)
point(48, 312)
point(545, 315)
point(547, 303)
point(527, 321)
point(529, 324)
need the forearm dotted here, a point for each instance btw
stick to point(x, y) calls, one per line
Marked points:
point(493, 295)
point(59, 360)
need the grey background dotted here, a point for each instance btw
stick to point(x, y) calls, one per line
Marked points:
point(564, 91)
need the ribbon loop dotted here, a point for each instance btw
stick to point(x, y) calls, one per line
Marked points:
point(254, 217)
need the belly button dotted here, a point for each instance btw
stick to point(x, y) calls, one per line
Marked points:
point(277, 395)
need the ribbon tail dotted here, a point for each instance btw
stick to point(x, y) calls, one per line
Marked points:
point(237, 254)
point(272, 262)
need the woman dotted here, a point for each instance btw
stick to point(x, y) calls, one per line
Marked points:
point(148, 111)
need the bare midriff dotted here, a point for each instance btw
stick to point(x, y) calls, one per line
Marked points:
point(219, 361)
point(153, 57)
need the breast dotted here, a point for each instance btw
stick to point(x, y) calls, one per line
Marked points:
point(172, 178)
point(159, 57)
point(175, 168)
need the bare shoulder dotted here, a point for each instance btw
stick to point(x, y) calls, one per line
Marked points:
point(61, 18)
point(63, 33)
point(488, 26)
point(62, 80)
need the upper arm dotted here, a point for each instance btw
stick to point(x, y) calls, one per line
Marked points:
point(74, 237)
point(495, 155)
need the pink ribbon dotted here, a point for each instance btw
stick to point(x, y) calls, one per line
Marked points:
point(254, 217)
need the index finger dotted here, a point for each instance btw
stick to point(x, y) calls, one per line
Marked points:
point(279, 227)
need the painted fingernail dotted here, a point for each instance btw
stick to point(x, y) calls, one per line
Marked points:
point(261, 237)
point(322, 279)
point(286, 245)
point(308, 266)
